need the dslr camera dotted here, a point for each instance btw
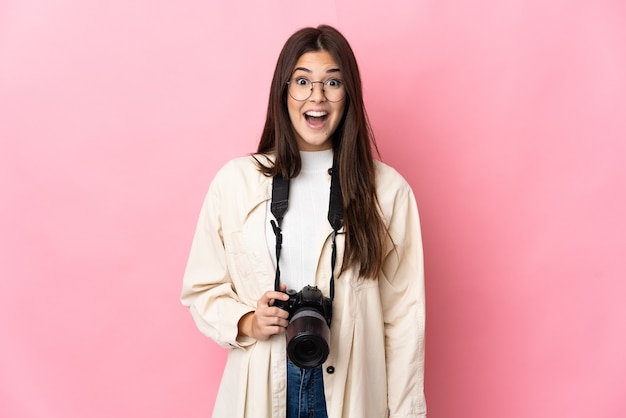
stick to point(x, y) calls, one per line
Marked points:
point(308, 332)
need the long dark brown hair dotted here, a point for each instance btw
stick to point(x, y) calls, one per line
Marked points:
point(353, 145)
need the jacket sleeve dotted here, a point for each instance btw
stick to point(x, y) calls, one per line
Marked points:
point(402, 298)
point(207, 287)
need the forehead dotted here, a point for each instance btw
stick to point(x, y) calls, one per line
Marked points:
point(316, 61)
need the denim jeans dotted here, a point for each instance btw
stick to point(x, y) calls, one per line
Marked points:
point(305, 392)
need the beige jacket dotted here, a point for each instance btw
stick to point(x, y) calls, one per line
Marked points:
point(375, 367)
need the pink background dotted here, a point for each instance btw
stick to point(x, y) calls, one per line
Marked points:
point(508, 118)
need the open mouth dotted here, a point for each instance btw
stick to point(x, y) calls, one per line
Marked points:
point(316, 118)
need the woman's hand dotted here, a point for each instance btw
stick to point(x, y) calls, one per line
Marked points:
point(267, 320)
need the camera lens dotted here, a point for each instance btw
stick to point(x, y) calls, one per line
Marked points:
point(308, 335)
point(308, 351)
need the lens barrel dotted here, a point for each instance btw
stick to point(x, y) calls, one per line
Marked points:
point(308, 336)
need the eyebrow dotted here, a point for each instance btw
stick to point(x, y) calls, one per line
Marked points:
point(306, 70)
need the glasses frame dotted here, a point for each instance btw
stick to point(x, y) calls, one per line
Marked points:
point(323, 83)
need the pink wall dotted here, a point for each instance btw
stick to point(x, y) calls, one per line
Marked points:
point(507, 117)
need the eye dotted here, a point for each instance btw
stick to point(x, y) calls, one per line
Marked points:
point(301, 81)
point(334, 83)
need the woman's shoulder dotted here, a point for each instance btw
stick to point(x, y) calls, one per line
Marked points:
point(393, 192)
point(240, 179)
point(388, 178)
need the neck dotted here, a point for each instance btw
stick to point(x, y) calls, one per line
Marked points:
point(316, 160)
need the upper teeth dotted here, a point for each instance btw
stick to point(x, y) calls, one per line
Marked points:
point(316, 114)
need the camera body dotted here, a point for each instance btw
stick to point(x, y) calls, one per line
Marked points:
point(308, 332)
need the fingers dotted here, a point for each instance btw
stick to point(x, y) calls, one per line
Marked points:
point(269, 297)
point(264, 326)
point(266, 319)
point(269, 320)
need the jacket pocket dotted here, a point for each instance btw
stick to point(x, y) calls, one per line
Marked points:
point(239, 260)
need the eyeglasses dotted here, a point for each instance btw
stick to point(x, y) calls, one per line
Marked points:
point(301, 89)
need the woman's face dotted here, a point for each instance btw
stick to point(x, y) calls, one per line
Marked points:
point(315, 119)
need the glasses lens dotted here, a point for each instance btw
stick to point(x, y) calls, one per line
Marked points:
point(300, 89)
point(334, 90)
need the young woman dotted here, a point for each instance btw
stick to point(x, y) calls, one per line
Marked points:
point(350, 232)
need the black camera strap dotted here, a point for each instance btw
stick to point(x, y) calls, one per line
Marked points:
point(280, 203)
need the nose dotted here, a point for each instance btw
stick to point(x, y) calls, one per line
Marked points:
point(317, 95)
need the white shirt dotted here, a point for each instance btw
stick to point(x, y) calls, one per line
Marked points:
point(306, 216)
